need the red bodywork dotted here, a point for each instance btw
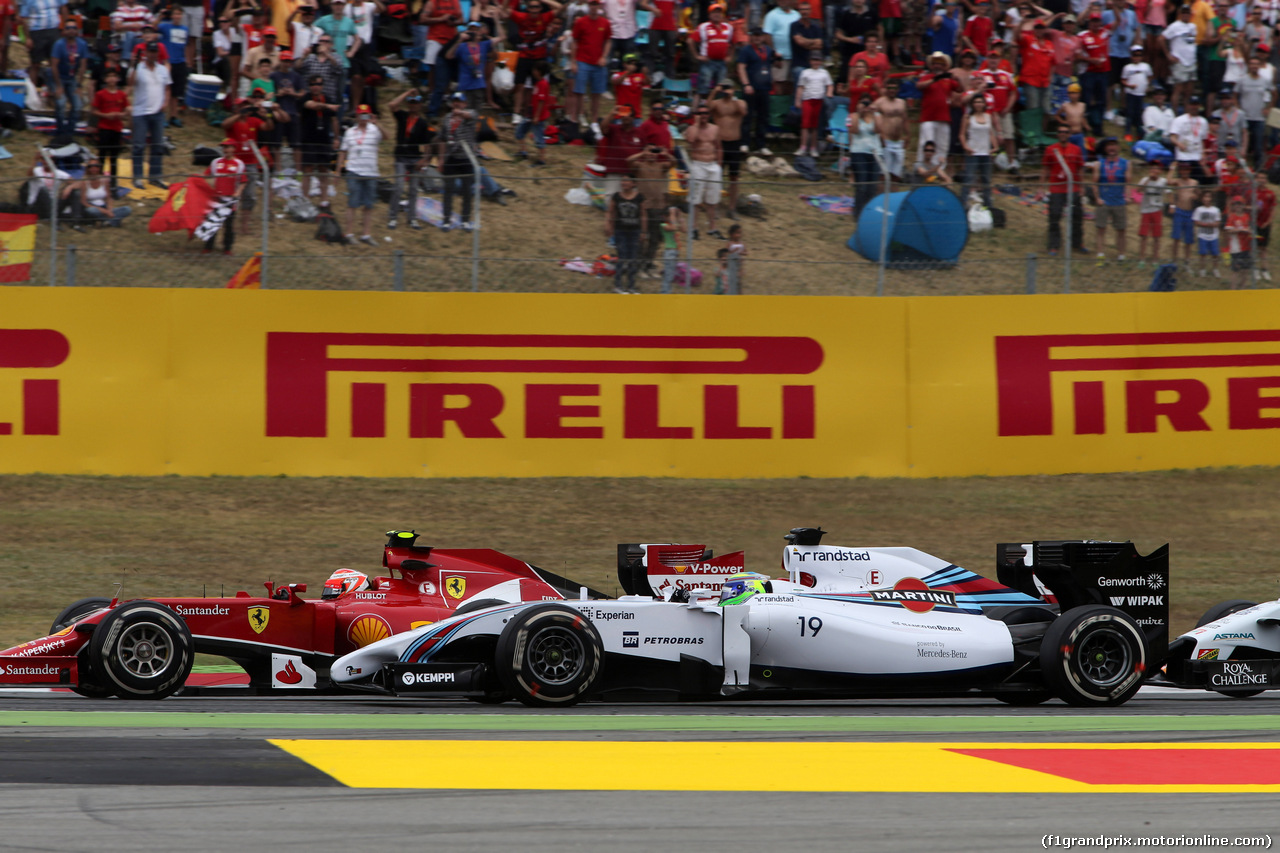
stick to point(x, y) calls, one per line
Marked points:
point(423, 585)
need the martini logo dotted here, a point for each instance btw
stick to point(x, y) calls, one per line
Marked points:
point(33, 349)
point(301, 366)
point(456, 587)
point(368, 629)
point(1026, 366)
point(915, 595)
point(259, 617)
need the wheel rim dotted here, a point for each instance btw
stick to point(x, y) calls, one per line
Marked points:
point(556, 655)
point(1104, 657)
point(144, 650)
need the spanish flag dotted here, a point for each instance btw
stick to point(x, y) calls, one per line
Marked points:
point(250, 275)
point(17, 246)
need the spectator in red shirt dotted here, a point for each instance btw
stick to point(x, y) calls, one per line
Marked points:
point(877, 61)
point(534, 28)
point(229, 180)
point(1096, 44)
point(592, 40)
point(714, 40)
point(978, 30)
point(629, 84)
point(1002, 89)
point(662, 38)
point(1266, 200)
point(111, 106)
point(539, 113)
point(938, 87)
point(242, 128)
point(621, 140)
point(1036, 48)
point(1061, 159)
point(656, 131)
point(860, 85)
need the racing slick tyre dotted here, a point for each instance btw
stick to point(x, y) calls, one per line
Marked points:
point(76, 611)
point(549, 656)
point(1213, 614)
point(1224, 608)
point(1094, 655)
point(141, 650)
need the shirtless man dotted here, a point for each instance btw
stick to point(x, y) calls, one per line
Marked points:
point(891, 124)
point(727, 113)
point(650, 167)
point(705, 157)
point(1186, 196)
point(1073, 114)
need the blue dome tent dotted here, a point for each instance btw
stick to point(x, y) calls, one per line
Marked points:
point(927, 226)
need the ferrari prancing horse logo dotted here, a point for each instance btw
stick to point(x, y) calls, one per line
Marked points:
point(258, 618)
point(456, 587)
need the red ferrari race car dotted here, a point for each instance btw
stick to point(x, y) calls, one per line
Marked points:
point(143, 649)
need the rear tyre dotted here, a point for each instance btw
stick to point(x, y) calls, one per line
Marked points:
point(1213, 614)
point(1094, 655)
point(76, 611)
point(549, 656)
point(141, 650)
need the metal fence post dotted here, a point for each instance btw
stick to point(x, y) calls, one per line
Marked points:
point(475, 218)
point(884, 228)
point(1070, 215)
point(1254, 274)
point(1031, 272)
point(53, 218)
point(71, 265)
point(266, 209)
point(399, 269)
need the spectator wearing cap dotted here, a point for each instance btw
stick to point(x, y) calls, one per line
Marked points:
point(591, 39)
point(755, 64)
point(777, 24)
point(175, 37)
point(457, 136)
point(149, 83)
point(473, 52)
point(1188, 133)
point(937, 85)
point(338, 26)
point(412, 154)
point(318, 137)
point(303, 31)
point(289, 91)
point(629, 85)
point(1135, 79)
point(1178, 41)
point(1257, 92)
point(268, 50)
point(1036, 49)
point(69, 58)
point(358, 159)
point(150, 35)
point(111, 61)
point(252, 124)
point(111, 106)
point(127, 22)
point(1067, 53)
point(1111, 176)
point(852, 25)
point(621, 139)
point(714, 41)
point(1232, 127)
point(230, 177)
point(1157, 117)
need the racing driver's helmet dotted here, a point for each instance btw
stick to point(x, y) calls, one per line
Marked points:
point(343, 581)
point(737, 589)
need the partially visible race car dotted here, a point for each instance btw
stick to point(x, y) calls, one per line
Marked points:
point(144, 648)
point(1234, 650)
point(847, 622)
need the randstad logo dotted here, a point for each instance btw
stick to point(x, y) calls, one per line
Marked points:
point(31, 351)
point(1027, 364)
point(299, 365)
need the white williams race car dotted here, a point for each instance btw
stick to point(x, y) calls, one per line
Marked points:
point(847, 622)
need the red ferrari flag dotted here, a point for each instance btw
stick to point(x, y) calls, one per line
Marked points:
point(17, 246)
point(185, 207)
point(250, 275)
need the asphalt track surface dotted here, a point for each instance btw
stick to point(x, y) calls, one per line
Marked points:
point(214, 774)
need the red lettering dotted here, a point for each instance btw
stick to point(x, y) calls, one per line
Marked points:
point(720, 404)
point(40, 407)
point(545, 411)
point(1091, 417)
point(1245, 402)
point(1183, 412)
point(368, 410)
point(797, 411)
point(640, 415)
point(33, 348)
point(428, 410)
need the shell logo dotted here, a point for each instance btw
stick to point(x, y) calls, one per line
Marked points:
point(368, 629)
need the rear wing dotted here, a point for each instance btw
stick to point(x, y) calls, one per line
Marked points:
point(1084, 571)
point(655, 569)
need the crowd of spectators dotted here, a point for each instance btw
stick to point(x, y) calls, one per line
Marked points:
point(1098, 99)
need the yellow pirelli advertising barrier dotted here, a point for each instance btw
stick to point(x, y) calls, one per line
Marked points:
point(150, 381)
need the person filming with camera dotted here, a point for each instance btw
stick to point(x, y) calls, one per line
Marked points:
point(254, 115)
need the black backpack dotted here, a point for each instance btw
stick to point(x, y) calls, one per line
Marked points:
point(327, 228)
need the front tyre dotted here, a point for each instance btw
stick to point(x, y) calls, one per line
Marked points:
point(549, 656)
point(75, 611)
point(141, 650)
point(1094, 655)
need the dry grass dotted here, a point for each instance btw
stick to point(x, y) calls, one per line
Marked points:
point(63, 538)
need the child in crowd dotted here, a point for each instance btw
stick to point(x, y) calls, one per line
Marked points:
point(1266, 199)
point(737, 254)
point(1239, 242)
point(1072, 113)
point(1208, 220)
point(539, 114)
point(111, 106)
point(629, 85)
point(722, 272)
point(1186, 191)
point(814, 88)
point(1152, 211)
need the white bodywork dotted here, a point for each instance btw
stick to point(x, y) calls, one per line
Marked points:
point(1257, 627)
